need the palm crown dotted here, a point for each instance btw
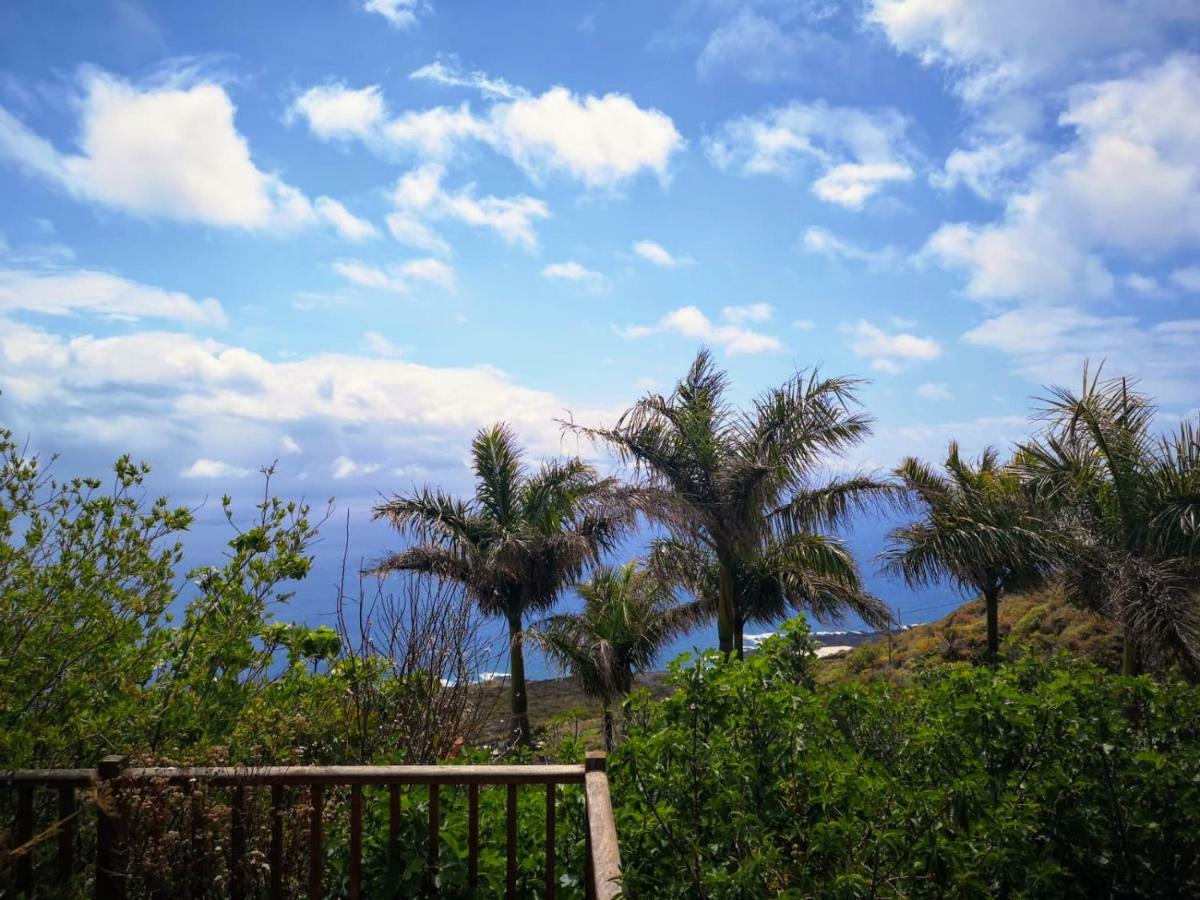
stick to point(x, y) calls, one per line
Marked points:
point(517, 543)
point(1130, 502)
point(740, 485)
point(978, 529)
point(628, 617)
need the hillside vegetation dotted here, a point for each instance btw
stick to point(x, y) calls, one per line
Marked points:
point(1039, 623)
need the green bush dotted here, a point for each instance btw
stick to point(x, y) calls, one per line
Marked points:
point(1040, 779)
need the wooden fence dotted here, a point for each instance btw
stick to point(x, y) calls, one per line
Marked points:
point(602, 879)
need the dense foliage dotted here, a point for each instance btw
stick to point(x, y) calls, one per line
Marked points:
point(1034, 780)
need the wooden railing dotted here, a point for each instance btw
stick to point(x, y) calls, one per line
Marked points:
point(602, 879)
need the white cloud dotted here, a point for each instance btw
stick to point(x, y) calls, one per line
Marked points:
point(420, 191)
point(992, 47)
point(288, 445)
point(1143, 285)
point(435, 132)
point(378, 345)
point(602, 142)
point(573, 271)
point(140, 153)
point(752, 312)
point(753, 46)
point(366, 275)
point(656, 253)
point(214, 468)
point(934, 391)
point(856, 153)
point(1050, 345)
point(89, 292)
point(400, 14)
point(433, 271)
point(344, 467)
point(1187, 278)
point(890, 352)
point(348, 225)
point(986, 167)
point(336, 111)
point(1129, 184)
point(449, 73)
point(690, 322)
point(804, 324)
point(170, 390)
point(822, 242)
point(408, 229)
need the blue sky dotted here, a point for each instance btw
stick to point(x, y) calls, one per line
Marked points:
point(346, 234)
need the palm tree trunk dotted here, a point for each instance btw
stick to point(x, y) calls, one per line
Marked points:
point(991, 600)
point(1131, 662)
point(520, 702)
point(608, 728)
point(725, 611)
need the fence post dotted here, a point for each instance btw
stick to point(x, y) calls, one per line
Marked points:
point(110, 868)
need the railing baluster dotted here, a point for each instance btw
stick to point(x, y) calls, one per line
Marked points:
point(393, 825)
point(315, 861)
point(277, 842)
point(550, 815)
point(237, 844)
point(510, 885)
point(473, 836)
point(434, 826)
point(113, 778)
point(110, 871)
point(355, 842)
point(24, 834)
point(67, 809)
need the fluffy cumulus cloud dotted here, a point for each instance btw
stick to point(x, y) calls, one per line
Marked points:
point(419, 195)
point(336, 111)
point(400, 14)
point(88, 292)
point(170, 150)
point(690, 322)
point(600, 141)
point(1050, 345)
point(396, 279)
point(890, 351)
point(139, 153)
point(225, 405)
point(656, 253)
point(348, 225)
point(991, 46)
point(577, 273)
point(1128, 184)
point(214, 469)
point(854, 153)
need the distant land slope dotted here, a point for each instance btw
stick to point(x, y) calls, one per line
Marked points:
point(1040, 622)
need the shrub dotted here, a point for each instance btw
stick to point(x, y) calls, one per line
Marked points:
point(1041, 779)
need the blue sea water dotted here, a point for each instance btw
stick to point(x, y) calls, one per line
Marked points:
point(361, 541)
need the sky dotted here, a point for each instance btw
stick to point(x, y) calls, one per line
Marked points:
point(344, 235)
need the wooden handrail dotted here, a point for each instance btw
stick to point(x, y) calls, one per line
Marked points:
point(604, 852)
point(603, 878)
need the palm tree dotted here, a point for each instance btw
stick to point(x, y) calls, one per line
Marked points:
point(516, 544)
point(1130, 502)
point(628, 617)
point(978, 529)
point(732, 483)
point(809, 573)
